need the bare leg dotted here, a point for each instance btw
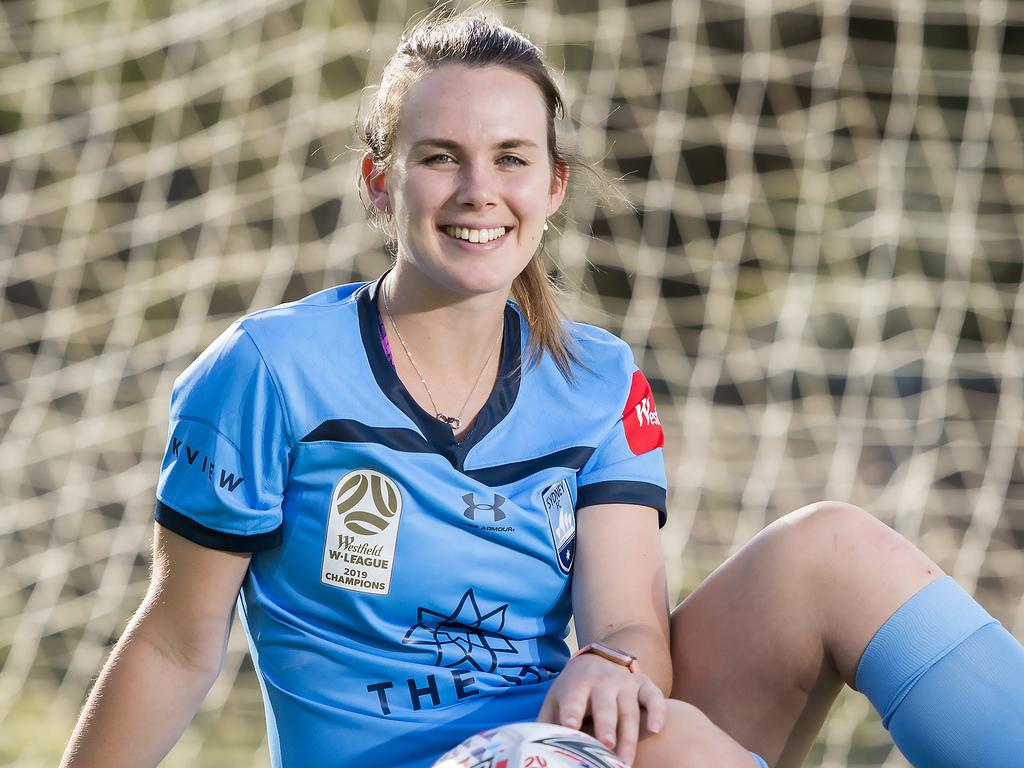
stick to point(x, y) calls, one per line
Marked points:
point(689, 740)
point(764, 644)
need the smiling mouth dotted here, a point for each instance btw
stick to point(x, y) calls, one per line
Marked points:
point(475, 235)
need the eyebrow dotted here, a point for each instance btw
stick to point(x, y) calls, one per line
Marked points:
point(449, 144)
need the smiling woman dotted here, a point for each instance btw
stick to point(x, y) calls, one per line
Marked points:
point(469, 160)
point(387, 499)
point(478, 43)
point(408, 535)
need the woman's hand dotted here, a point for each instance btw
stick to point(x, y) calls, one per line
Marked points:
point(611, 696)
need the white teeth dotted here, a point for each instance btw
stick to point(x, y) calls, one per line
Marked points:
point(475, 235)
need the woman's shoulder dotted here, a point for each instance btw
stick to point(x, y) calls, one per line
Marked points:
point(596, 346)
point(309, 310)
point(322, 320)
point(585, 333)
point(295, 329)
point(601, 364)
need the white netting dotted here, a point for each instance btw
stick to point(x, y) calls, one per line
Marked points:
point(823, 283)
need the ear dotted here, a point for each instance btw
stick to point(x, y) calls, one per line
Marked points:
point(374, 179)
point(559, 186)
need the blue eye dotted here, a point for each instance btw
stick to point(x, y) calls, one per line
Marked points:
point(440, 159)
point(512, 160)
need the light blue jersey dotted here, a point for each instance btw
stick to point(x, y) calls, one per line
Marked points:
point(407, 590)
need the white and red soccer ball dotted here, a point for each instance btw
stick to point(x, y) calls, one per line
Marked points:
point(530, 745)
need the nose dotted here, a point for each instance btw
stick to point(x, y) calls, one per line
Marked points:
point(477, 188)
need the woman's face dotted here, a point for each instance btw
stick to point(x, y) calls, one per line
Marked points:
point(471, 184)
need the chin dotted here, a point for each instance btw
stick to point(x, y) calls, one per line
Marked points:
point(483, 276)
point(467, 271)
point(471, 285)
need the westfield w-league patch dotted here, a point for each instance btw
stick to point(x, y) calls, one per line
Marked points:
point(362, 532)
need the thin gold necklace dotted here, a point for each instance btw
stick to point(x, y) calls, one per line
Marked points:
point(455, 422)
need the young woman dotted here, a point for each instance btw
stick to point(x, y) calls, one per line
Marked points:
point(411, 485)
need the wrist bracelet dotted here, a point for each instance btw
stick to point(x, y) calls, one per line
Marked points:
point(614, 655)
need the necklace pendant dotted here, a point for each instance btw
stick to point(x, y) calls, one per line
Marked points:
point(452, 421)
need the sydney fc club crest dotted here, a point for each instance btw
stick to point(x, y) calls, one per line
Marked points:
point(362, 531)
point(557, 501)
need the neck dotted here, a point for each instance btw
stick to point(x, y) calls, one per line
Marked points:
point(451, 350)
point(444, 331)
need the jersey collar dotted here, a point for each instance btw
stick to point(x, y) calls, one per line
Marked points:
point(440, 436)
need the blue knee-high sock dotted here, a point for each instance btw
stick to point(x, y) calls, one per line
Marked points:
point(948, 681)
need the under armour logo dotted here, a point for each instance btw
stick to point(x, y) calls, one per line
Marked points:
point(472, 507)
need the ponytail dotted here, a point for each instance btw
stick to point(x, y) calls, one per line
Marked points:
point(537, 296)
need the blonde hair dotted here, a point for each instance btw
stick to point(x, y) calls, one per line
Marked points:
point(477, 40)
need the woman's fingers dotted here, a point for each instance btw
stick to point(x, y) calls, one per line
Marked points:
point(653, 701)
point(613, 704)
point(628, 725)
point(604, 712)
point(572, 706)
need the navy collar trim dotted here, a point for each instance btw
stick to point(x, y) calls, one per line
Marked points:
point(439, 436)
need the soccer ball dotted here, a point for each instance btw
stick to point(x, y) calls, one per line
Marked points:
point(530, 745)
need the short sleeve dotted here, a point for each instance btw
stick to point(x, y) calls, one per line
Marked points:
point(228, 452)
point(628, 467)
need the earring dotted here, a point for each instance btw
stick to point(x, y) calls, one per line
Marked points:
point(545, 226)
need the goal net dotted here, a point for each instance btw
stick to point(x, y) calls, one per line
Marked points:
point(821, 279)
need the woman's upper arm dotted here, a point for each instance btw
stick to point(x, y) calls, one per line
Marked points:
point(188, 609)
point(619, 571)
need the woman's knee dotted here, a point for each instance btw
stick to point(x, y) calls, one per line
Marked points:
point(690, 740)
point(861, 571)
point(827, 519)
point(776, 588)
point(801, 600)
point(833, 538)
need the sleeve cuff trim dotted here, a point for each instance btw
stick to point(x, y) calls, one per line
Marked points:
point(624, 492)
point(211, 538)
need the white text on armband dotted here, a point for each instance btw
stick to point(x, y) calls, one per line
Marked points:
point(645, 415)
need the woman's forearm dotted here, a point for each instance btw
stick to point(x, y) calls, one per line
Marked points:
point(145, 696)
